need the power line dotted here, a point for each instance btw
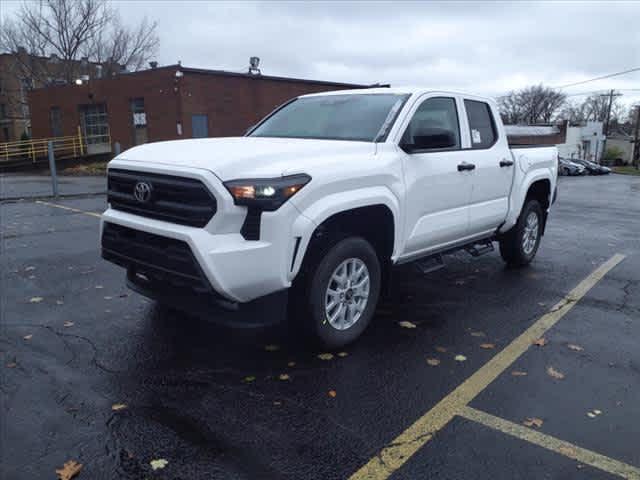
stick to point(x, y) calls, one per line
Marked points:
point(636, 69)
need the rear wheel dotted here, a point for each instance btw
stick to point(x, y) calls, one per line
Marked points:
point(519, 246)
point(342, 290)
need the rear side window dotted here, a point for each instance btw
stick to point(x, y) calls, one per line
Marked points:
point(482, 128)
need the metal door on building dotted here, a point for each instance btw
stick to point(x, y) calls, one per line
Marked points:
point(95, 128)
point(199, 126)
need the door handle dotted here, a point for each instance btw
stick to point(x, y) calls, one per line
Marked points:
point(466, 166)
point(506, 163)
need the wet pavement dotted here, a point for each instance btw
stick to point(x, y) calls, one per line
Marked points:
point(257, 403)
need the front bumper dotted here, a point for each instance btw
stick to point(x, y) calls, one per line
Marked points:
point(236, 270)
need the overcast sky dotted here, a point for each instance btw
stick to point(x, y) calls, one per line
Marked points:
point(481, 47)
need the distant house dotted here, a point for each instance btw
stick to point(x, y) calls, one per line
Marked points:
point(536, 134)
point(163, 103)
point(624, 143)
point(583, 142)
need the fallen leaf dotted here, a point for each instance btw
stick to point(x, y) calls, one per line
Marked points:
point(460, 358)
point(12, 365)
point(460, 282)
point(108, 298)
point(277, 402)
point(519, 373)
point(487, 346)
point(68, 324)
point(28, 337)
point(568, 451)
point(332, 393)
point(406, 324)
point(441, 349)
point(325, 356)
point(533, 422)
point(591, 415)
point(35, 299)
point(99, 287)
point(249, 379)
point(342, 354)
point(59, 302)
point(541, 342)
point(283, 376)
point(291, 364)
point(69, 470)
point(597, 412)
point(433, 362)
point(542, 304)
point(29, 269)
point(576, 348)
point(158, 464)
point(123, 295)
point(478, 334)
point(272, 348)
point(552, 372)
point(118, 406)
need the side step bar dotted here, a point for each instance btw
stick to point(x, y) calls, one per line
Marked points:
point(435, 262)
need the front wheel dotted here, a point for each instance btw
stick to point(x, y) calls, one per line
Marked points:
point(342, 292)
point(519, 245)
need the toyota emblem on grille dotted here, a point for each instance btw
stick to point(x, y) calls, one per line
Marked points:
point(142, 191)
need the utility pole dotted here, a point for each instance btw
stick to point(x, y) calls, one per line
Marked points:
point(636, 143)
point(611, 94)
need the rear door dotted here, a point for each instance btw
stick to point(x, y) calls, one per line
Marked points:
point(494, 167)
point(437, 191)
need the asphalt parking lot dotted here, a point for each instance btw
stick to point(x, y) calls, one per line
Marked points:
point(94, 373)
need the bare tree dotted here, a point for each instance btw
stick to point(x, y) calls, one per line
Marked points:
point(593, 109)
point(71, 29)
point(531, 105)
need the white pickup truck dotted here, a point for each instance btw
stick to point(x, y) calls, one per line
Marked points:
point(320, 199)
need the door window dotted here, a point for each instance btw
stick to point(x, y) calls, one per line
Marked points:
point(437, 115)
point(55, 121)
point(482, 128)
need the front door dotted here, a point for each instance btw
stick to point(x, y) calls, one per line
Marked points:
point(438, 193)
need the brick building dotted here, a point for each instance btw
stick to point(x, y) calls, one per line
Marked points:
point(163, 103)
point(21, 72)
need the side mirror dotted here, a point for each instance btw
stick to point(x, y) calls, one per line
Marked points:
point(430, 138)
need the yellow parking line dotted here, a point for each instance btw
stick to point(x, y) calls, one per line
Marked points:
point(71, 209)
point(394, 455)
point(567, 449)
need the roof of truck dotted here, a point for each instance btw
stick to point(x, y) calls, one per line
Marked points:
point(394, 90)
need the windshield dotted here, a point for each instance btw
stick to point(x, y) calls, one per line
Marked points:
point(361, 117)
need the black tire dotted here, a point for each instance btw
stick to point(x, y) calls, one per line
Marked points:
point(511, 244)
point(312, 287)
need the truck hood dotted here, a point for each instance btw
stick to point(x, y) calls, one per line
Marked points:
point(248, 157)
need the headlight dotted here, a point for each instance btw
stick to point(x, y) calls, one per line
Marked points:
point(266, 193)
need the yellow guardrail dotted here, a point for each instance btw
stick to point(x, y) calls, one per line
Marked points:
point(37, 149)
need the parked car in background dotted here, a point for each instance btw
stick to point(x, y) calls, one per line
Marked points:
point(568, 167)
point(592, 168)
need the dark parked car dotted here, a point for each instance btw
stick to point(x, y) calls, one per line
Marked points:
point(592, 168)
point(568, 167)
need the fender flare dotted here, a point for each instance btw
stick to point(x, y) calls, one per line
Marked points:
point(318, 212)
point(519, 195)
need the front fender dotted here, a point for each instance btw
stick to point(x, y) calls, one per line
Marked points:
point(325, 207)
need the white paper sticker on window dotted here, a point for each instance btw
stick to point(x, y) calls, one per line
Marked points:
point(475, 136)
point(140, 119)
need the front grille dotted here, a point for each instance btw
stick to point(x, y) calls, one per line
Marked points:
point(161, 259)
point(182, 200)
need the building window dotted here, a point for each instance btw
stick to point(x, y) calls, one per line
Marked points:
point(55, 121)
point(95, 128)
point(139, 121)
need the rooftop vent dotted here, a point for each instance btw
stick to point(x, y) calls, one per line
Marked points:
point(254, 62)
point(153, 64)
